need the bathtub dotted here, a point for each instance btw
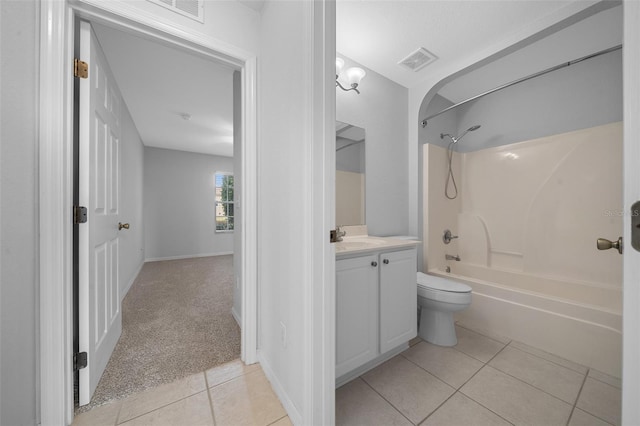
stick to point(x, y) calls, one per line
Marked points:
point(586, 328)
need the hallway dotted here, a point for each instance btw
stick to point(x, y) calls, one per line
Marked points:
point(177, 322)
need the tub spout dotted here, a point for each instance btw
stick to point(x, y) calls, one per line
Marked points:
point(449, 257)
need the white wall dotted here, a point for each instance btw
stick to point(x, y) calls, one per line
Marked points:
point(229, 22)
point(19, 34)
point(179, 204)
point(281, 198)
point(583, 95)
point(131, 191)
point(381, 109)
point(296, 158)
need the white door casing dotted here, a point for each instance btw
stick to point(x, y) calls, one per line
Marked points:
point(631, 185)
point(100, 316)
point(56, 181)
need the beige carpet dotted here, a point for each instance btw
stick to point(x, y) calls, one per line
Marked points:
point(176, 321)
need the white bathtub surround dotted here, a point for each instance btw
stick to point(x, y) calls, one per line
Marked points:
point(528, 216)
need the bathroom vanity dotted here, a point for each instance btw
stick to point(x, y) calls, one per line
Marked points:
point(376, 302)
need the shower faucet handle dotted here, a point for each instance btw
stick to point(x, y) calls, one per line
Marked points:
point(448, 236)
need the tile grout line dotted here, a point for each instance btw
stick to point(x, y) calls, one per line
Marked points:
point(486, 364)
point(530, 385)
point(276, 421)
point(603, 382)
point(575, 403)
point(484, 335)
point(386, 400)
point(578, 398)
point(118, 415)
point(458, 389)
point(437, 408)
point(427, 371)
point(213, 415)
point(537, 388)
point(548, 360)
point(166, 405)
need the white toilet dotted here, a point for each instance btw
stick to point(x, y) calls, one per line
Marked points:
point(438, 299)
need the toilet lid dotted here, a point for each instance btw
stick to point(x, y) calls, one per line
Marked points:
point(442, 284)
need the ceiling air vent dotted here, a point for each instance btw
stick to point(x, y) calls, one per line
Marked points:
point(418, 60)
point(192, 8)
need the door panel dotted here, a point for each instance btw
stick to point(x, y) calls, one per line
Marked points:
point(100, 320)
point(356, 312)
point(398, 298)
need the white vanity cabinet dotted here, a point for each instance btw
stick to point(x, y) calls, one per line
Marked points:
point(398, 298)
point(356, 312)
point(376, 300)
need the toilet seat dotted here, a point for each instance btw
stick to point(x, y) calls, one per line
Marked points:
point(444, 296)
point(433, 282)
point(442, 290)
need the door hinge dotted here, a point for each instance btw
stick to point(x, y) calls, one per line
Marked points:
point(80, 68)
point(79, 215)
point(333, 236)
point(79, 361)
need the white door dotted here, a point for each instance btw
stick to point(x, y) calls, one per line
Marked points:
point(100, 320)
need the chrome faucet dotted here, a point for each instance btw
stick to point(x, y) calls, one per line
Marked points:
point(340, 233)
point(448, 236)
point(449, 257)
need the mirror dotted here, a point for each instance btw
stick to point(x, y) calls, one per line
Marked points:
point(350, 174)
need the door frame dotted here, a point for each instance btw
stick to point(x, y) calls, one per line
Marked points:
point(631, 194)
point(56, 181)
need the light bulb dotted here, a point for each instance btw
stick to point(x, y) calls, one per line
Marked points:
point(339, 65)
point(354, 76)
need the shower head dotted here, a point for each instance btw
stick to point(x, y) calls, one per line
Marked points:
point(454, 139)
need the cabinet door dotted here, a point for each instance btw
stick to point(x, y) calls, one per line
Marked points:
point(398, 298)
point(356, 312)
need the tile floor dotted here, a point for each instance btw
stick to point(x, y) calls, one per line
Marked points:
point(483, 380)
point(230, 394)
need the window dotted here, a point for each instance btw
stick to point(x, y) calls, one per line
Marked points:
point(191, 8)
point(224, 202)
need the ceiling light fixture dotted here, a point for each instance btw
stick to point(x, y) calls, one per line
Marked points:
point(353, 76)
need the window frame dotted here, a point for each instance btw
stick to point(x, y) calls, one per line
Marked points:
point(223, 202)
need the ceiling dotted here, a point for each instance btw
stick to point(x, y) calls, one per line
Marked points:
point(379, 34)
point(161, 85)
point(177, 100)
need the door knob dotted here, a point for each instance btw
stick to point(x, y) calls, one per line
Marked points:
point(122, 225)
point(604, 244)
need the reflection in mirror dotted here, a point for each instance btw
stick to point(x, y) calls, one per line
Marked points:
point(350, 174)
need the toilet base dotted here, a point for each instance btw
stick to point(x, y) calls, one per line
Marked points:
point(437, 327)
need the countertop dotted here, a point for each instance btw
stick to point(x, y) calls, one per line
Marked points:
point(363, 244)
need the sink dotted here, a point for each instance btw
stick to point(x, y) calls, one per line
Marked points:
point(356, 243)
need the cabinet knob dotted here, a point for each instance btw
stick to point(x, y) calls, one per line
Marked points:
point(374, 263)
point(386, 261)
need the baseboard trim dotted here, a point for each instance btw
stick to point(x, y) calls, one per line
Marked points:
point(131, 281)
point(294, 414)
point(236, 317)
point(187, 256)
